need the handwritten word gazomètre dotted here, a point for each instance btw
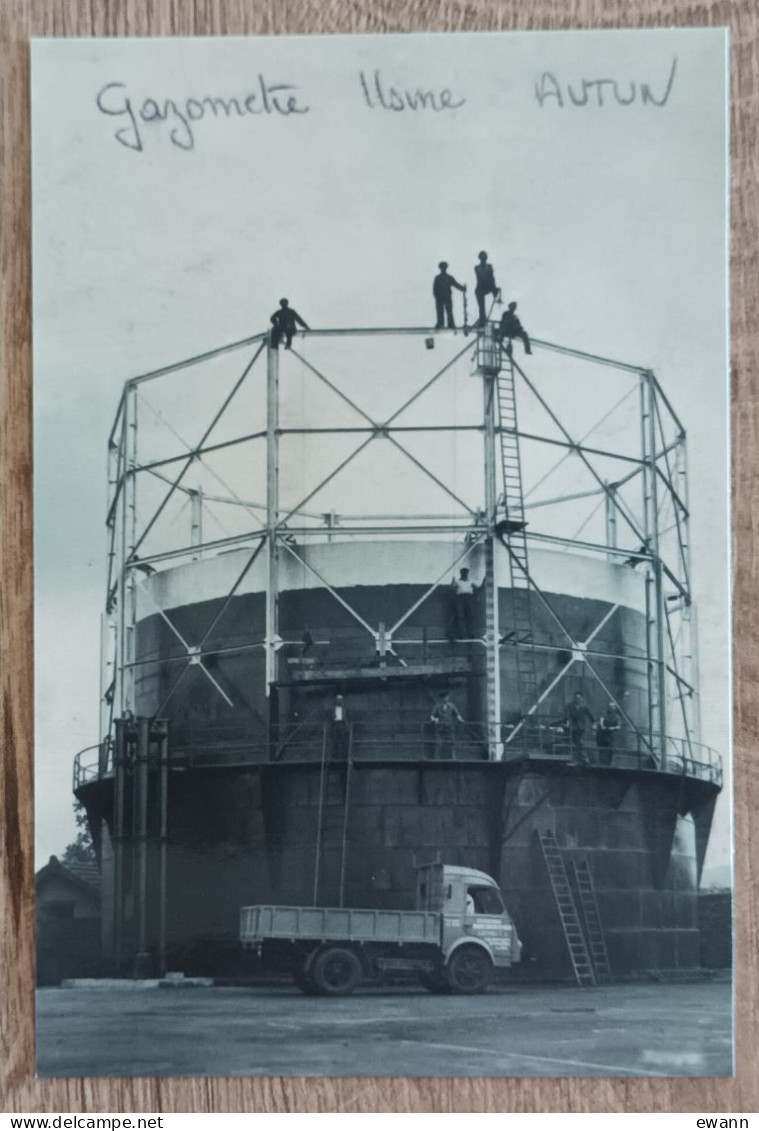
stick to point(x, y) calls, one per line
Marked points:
point(180, 115)
point(601, 92)
point(379, 96)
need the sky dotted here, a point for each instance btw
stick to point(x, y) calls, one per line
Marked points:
point(159, 233)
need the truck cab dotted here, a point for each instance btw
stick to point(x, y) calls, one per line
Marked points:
point(472, 909)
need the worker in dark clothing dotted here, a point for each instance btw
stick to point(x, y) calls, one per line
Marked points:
point(511, 328)
point(486, 285)
point(462, 619)
point(576, 715)
point(607, 730)
point(442, 290)
point(284, 321)
point(445, 715)
point(339, 728)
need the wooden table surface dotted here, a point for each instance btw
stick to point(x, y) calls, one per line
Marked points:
point(19, 1090)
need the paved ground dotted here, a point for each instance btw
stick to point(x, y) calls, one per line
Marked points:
point(650, 1030)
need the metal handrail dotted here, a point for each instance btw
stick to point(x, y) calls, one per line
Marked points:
point(540, 741)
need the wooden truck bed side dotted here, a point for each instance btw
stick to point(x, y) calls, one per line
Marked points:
point(262, 922)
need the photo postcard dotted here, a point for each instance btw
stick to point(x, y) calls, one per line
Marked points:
point(382, 555)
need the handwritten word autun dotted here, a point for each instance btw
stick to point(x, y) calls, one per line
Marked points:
point(600, 92)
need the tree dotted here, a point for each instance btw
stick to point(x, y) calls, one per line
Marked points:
point(81, 850)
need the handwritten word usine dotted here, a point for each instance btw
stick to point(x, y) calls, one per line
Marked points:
point(601, 92)
point(378, 95)
point(279, 99)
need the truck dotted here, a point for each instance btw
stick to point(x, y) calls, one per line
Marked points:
point(455, 939)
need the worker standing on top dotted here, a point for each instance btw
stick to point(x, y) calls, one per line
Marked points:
point(511, 328)
point(486, 285)
point(441, 289)
point(445, 715)
point(284, 321)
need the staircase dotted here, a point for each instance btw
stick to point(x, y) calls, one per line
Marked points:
point(570, 920)
point(512, 533)
point(594, 934)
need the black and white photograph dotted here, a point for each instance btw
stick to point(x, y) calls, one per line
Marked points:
point(382, 555)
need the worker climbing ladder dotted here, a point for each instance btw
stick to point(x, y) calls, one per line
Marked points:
point(513, 535)
point(594, 934)
point(571, 926)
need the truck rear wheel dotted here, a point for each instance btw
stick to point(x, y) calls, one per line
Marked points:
point(336, 971)
point(469, 970)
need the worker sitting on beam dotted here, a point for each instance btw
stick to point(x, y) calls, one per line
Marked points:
point(511, 328)
point(284, 321)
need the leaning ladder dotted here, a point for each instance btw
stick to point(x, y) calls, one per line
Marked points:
point(325, 809)
point(515, 540)
point(346, 811)
point(594, 932)
point(567, 908)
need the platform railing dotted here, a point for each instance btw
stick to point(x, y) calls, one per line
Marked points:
point(423, 741)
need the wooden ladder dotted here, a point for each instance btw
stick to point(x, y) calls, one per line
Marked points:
point(594, 932)
point(567, 908)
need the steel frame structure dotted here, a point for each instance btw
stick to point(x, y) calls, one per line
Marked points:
point(656, 474)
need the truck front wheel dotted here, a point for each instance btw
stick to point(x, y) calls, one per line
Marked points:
point(469, 970)
point(336, 971)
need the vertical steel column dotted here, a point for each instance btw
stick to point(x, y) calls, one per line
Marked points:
point(688, 615)
point(272, 513)
point(196, 520)
point(652, 534)
point(119, 757)
point(142, 782)
point(611, 521)
point(493, 634)
point(127, 602)
point(163, 839)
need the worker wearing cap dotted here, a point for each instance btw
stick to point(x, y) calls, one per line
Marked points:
point(463, 590)
point(442, 289)
point(511, 328)
point(486, 285)
point(576, 715)
point(339, 729)
point(445, 715)
point(607, 730)
point(284, 322)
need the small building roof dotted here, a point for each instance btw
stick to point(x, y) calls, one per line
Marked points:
point(83, 874)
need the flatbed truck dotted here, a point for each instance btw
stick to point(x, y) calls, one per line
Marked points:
point(455, 939)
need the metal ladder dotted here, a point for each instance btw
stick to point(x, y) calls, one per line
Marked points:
point(594, 933)
point(325, 810)
point(514, 538)
point(567, 908)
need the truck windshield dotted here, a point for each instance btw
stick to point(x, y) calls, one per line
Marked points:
point(486, 901)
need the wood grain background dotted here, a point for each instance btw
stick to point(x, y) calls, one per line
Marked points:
point(19, 1091)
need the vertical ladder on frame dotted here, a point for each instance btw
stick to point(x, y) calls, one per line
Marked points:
point(513, 535)
point(567, 908)
point(594, 933)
